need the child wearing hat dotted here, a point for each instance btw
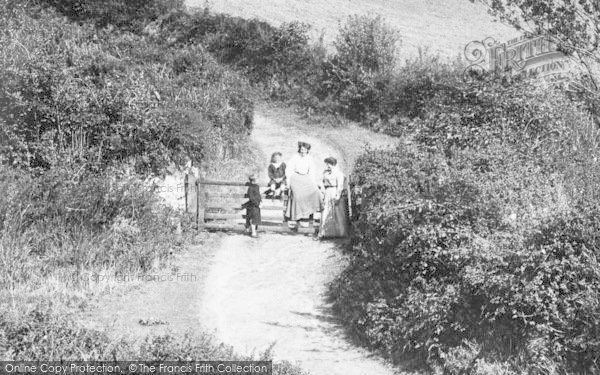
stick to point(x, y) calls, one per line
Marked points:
point(252, 206)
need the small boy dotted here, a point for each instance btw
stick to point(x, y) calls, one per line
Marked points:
point(252, 206)
point(277, 175)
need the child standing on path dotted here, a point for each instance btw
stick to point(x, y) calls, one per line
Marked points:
point(252, 206)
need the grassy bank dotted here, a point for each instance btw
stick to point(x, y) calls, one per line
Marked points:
point(475, 250)
point(91, 110)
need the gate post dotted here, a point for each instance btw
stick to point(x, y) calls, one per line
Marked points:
point(349, 190)
point(199, 203)
point(185, 184)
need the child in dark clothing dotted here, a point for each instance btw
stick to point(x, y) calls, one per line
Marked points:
point(277, 175)
point(252, 207)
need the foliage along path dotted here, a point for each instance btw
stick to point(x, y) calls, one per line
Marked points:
point(251, 293)
point(272, 290)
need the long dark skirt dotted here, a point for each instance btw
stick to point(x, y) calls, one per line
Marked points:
point(334, 218)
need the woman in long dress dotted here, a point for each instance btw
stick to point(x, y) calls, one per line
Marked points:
point(301, 176)
point(334, 218)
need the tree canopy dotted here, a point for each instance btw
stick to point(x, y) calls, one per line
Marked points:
point(574, 25)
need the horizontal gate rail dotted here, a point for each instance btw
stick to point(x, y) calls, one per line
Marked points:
point(270, 227)
point(222, 210)
point(226, 196)
point(223, 183)
point(233, 209)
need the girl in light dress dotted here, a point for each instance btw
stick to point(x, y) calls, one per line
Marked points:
point(334, 217)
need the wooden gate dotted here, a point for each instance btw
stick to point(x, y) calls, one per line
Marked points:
point(217, 205)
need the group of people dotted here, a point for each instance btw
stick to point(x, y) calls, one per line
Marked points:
point(309, 192)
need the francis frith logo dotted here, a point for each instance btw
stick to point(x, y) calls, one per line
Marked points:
point(526, 56)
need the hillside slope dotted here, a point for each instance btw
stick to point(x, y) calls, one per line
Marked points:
point(444, 26)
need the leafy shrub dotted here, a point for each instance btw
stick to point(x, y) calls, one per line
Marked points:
point(367, 43)
point(98, 98)
point(360, 81)
point(359, 72)
point(265, 53)
point(130, 15)
point(407, 92)
point(531, 117)
point(474, 248)
point(80, 107)
point(81, 110)
point(353, 82)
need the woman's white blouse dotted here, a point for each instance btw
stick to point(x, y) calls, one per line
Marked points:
point(302, 165)
point(334, 178)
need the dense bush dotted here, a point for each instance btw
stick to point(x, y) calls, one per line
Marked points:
point(85, 114)
point(130, 15)
point(360, 80)
point(265, 53)
point(95, 97)
point(82, 110)
point(367, 43)
point(475, 249)
point(529, 117)
point(366, 55)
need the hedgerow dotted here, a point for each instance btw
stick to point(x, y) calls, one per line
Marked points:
point(132, 15)
point(89, 112)
point(96, 97)
point(358, 81)
point(475, 248)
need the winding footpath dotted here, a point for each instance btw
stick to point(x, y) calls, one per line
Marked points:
point(253, 294)
point(272, 290)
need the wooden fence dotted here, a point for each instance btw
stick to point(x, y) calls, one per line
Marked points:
point(217, 205)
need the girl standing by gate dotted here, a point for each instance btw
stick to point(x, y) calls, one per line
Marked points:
point(334, 218)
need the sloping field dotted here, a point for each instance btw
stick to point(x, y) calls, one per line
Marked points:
point(445, 26)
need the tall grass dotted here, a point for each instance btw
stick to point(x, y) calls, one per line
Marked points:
point(87, 114)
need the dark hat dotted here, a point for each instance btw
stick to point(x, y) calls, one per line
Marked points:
point(304, 144)
point(252, 177)
point(330, 160)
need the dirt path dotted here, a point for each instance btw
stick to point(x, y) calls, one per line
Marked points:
point(164, 301)
point(271, 290)
point(277, 129)
point(253, 293)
